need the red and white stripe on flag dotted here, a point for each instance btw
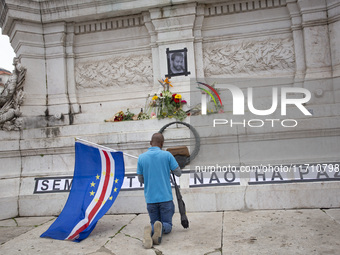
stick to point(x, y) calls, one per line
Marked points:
point(102, 195)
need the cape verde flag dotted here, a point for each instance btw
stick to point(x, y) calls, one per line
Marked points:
point(98, 177)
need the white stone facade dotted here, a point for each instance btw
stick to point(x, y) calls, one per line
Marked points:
point(86, 60)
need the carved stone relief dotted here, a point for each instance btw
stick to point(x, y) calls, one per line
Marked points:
point(11, 97)
point(249, 57)
point(241, 6)
point(117, 71)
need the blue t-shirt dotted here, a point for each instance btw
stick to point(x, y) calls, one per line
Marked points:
point(155, 166)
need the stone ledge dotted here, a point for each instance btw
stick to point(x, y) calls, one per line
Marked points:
point(268, 196)
point(8, 207)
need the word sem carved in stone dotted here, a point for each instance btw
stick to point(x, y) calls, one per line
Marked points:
point(11, 97)
point(249, 57)
point(117, 71)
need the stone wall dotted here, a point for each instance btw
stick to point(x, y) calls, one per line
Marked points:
point(86, 60)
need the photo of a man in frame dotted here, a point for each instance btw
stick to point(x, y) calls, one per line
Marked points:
point(177, 63)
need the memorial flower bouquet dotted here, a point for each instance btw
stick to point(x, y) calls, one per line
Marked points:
point(167, 104)
point(121, 116)
point(163, 105)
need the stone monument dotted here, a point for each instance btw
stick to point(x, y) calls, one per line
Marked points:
point(86, 60)
point(11, 98)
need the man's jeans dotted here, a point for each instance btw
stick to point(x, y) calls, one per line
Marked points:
point(162, 212)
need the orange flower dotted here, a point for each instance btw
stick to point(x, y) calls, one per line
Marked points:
point(167, 81)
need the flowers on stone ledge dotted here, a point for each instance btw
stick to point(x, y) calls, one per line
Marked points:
point(167, 104)
point(163, 105)
point(121, 116)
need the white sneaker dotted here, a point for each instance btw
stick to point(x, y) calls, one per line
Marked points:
point(157, 232)
point(147, 240)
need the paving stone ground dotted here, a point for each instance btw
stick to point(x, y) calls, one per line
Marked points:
point(305, 231)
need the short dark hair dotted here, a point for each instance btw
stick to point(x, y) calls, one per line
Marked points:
point(157, 139)
point(176, 54)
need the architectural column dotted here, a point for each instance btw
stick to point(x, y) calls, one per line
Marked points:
point(317, 51)
point(70, 65)
point(56, 69)
point(174, 30)
point(333, 11)
point(316, 38)
point(154, 48)
point(300, 68)
point(27, 40)
point(41, 48)
point(198, 39)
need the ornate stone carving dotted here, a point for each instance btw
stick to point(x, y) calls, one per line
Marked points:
point(11, 98)
point(242, 6)
point(249, 57)
point(111, 24)
point(117, 71)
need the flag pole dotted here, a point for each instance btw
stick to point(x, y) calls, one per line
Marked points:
point(103, 147)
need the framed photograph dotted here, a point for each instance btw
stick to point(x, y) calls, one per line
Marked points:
point(177, 62)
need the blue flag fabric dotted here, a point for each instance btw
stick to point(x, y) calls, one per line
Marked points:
point(98, 178)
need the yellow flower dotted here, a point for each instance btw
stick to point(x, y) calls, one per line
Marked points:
point(155, 98)
point(178, 96)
